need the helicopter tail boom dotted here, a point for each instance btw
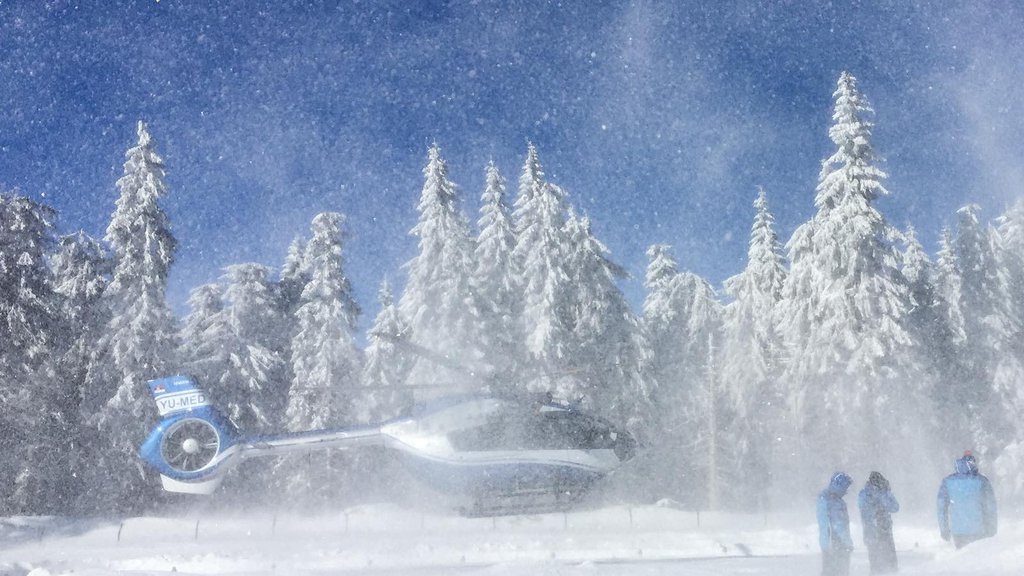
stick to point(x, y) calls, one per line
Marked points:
point(195, 444)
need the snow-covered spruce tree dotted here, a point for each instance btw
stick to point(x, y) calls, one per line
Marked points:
point(664, 335)
point(294, 277)
point(607, 356)
point(438, 301)
point(750, 364)
point(36, 418)
point(948, 282)
point(1009, 235)
point(384, 395)
point(542, 244)
point(1009, 467)
point(660, 361)
point(939, 352)
point(989, 327)
point(139, 341)
point(251, 388)
point(326, 363)
point(692, 416)
point(81, 270)
point(387, 362)
point(844, 307)
point(494, 282)
point(660, 315)
point(681, 320)
point(204, 334)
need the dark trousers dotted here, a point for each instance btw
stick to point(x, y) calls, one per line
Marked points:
point(882, 555)
point(835, 562)
point(881, 549)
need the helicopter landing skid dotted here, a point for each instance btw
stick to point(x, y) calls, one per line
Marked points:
point(523, 502)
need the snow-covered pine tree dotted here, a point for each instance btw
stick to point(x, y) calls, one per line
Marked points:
point(702, 317)
point(751, 364)
point(81, 270)
point(1009, 236)
point(681, 319)
point(989, 328)
point(35, 406)
point(294, 277)
point(438, 301)
point(204, 335)
point(1009, 467)
point(387, 362)
point(607, 356)
point(251, 389)
point(664, 333)
point(845, 303)
point(663, 338)
point(494, 282)
point(948, 282)
point(139, 341)
point(542, 244)
point(325, 360)
point(939, 352)
point(326, 363)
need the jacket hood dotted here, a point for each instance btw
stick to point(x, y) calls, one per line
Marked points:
point(839, 483)
point(876, 480)
point(967, 465)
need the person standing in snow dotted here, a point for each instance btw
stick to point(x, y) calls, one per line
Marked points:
point(966, 504)
point(877, 504)
point(834, 527)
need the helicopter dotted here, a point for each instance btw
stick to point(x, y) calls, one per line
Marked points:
point(506, 451)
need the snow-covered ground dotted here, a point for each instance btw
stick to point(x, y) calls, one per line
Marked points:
point(387, 540)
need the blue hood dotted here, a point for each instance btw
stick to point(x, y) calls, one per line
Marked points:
point(966, 465)
point(840, 483)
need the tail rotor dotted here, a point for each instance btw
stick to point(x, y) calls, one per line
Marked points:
point(194, 444)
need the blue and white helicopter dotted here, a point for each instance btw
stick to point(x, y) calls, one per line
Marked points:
point(488, 447)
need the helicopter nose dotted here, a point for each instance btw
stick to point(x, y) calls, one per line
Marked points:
point(625, 446)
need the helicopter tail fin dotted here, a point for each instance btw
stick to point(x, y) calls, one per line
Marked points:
point(193, 444)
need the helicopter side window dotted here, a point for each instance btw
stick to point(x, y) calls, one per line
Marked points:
point(519, 428)
point(502, 430)
point(562, 430)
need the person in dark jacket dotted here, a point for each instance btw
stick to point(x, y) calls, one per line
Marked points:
point(834, 527)
point(877, 504)
point(966, 504)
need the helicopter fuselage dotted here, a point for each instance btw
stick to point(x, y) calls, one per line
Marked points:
point(471, 444)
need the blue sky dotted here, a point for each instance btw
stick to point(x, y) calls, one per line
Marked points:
point(659, 118)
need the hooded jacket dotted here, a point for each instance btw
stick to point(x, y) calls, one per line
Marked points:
point(876, 503)
point(833, 519)
point(966, 502)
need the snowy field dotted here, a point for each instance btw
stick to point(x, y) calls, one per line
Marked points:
point(386, 540)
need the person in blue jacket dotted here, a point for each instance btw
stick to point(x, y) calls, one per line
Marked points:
point(877, 504)
point(834, 527)
point(966, 504)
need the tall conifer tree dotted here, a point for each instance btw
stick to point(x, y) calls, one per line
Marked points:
point(326, 363)
point(387, 362)
point(35, 406)
point(495, 281)
point(542, 245)
point(751, 352)
point(845, 302)
point(139, 342)
point(438, 301)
